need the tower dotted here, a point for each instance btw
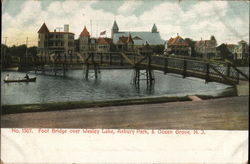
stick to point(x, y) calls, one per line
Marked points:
point(154, 29)
point(43, 36)
point(114, 29)
point(84, 40)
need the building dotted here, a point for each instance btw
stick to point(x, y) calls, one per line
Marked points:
point(177, 46)
point(104, 45)
point(241, 51)
point(55, 42)
point(84, 40)
point(125, 43)
point(139, 38)
point(206, 48)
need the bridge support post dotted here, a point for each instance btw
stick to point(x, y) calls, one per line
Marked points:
point(147, 75)
point(64, 69)
point(121, 60)
point(92, 73)
point(228, 69)
point(165, 65)
point(184, 74)
point(207, 72)
point(110, 59)
point(101, 58)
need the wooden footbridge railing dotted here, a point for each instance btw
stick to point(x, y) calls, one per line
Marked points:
point(217, 71)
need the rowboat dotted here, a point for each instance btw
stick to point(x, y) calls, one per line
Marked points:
point(21, 80)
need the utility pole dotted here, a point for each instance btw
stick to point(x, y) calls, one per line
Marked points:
point(26, 52)
point(59, 28)
point(91, 27)
point(4, 53)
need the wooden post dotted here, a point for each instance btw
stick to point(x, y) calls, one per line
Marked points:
point(101, 57)
point(64, 69)
point(228, 70)
point(207, 72)
point(87, 72)
point(165, 65)
point(238, 77)
point(95, 67)
point(121, 60)
point(110, 59)
point(184, 68)
point(150, 77)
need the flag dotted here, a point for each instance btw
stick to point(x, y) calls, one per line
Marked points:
point(103, 33)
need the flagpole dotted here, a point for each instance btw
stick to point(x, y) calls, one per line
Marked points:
point(91, 27)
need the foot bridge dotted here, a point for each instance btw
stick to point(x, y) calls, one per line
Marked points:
point(143, 65)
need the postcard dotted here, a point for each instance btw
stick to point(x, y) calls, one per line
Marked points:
point(127, 81)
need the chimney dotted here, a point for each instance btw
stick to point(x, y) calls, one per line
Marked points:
point(201, 38)
point(54, 30)
point(66, 28)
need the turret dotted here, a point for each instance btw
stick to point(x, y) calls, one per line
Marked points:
point(154, 29)
point(114, 29)
point(43, 33)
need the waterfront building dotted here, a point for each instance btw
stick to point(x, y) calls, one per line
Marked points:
point(125, 43)
point(104, 45)
point(177, 46)
point(224, 51)
point(84, 40)
point(55, 42)
point(139, 38)
point(206, 48)
point(241, 51)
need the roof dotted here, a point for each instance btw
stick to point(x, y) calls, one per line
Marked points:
point(122, 40)
point(115, 26)
point(203, 43)
point(137, 38)
point(179, 41)
point(43, 29)
point(125, 40)
point(242, 41)
point(57, 32)
point(151, 38)
point(231, 45)
point(85, 32)
point(104, 41)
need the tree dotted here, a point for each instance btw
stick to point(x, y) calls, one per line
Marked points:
point(158, 49)
point(191, 43)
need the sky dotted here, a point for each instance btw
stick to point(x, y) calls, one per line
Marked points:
point(228, 21)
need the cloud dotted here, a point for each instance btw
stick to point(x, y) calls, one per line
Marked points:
point(128, 7)
point(201, 19)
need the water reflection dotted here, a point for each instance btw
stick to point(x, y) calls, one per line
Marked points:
point(112, 84)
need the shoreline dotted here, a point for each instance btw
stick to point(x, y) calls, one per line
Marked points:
point(58, 106)
point(230, 113)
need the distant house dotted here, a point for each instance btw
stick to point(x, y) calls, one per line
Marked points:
point(139, 38)
point(241, 51)
point(225, 51)
point(145, 50)
point(56, 41)
point(177, 46)
point(104, 45)
point(125, 43)
point(206, 48)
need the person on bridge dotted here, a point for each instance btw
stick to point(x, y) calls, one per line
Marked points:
point(26, 76)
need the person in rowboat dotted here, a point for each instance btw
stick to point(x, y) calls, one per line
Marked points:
point(27, 76)
point(7, 77)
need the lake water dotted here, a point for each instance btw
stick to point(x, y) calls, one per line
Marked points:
point(113, 84)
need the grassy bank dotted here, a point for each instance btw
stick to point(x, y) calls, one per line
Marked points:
point(24, 108)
